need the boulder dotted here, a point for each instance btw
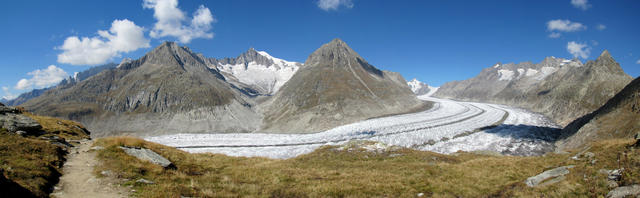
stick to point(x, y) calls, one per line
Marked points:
point(148, 155)
point(555, 175)
point(144, 181)
point(624, 191)
point(17, 122)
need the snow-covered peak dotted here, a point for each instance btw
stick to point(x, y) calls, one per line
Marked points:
point(278, 61)
point(496, 65)
point(419, 88)
point(262, 75)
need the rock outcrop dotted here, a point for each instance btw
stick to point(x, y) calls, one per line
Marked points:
point(334, 87)
point(617, 118)
point(624, 191)
point(560, 89)
point(13, 120)
point(145, 154)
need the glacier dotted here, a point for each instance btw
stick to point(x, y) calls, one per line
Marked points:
point(448, 127)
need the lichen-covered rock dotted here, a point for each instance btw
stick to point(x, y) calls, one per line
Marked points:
point(556, 175)
point(17, 122)
point(624, 191)
point(148, 155)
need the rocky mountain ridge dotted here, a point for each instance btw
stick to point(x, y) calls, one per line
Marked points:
point(618, 118)
point(168, 90)
point(174, 90)
point(560, 89)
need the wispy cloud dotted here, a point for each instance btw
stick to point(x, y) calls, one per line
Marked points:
point(581, 50)
point(123, 36)
point(328, 5)
point(171, 21)
point(564, 26)
point(555, 35)
point(7, 95)
point(638, 62)
point(42, 78)
point(601, 27)
point(581, 4)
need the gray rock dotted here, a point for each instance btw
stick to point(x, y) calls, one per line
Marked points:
point(144, 181)
point(1, 105)
point(557, 174)
point(148, 155)
point(624, 191)
point(17, 122)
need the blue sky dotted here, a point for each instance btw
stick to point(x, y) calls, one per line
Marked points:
point(434, 41)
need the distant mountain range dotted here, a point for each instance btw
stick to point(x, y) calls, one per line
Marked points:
point(77, 77)
point(174, 90)
point(559, 88)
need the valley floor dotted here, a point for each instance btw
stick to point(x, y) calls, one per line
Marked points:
point(446, 128)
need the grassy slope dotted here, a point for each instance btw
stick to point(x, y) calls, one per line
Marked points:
point(33, 163)
point(328, 172)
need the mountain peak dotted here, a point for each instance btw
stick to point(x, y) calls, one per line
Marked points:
point(606, 54)
point(336, 51)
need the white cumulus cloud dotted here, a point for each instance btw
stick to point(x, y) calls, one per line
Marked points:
point(327, 5)
point(564, 26)
point(42, 78)
point(581, 4)
point(123, 36)
point(171, 21)
point(601, 27)
point(578, 49)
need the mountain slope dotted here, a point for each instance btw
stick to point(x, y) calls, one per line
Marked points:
point(168, 90)
point(560, 89)
point(334, 87)
point(618, 118)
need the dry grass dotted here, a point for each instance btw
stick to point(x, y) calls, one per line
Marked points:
point(328, 172)
point(33, 163)
point(66, 129)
